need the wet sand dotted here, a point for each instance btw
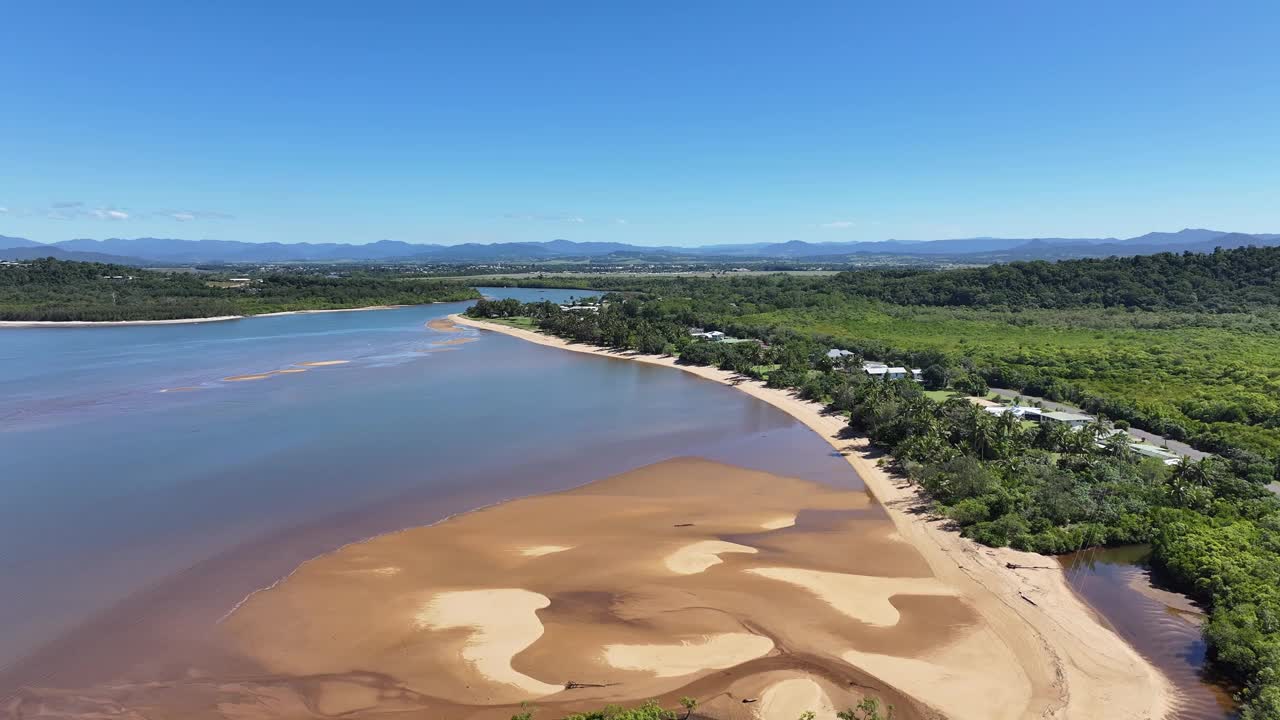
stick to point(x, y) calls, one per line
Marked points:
point(179, 321)
point(444, 325)
point(625, 584)
point(1035, 649)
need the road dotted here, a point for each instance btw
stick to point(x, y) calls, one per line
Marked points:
point(1175, 447)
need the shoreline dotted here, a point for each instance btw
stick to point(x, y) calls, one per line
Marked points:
point(1074, 664)
point(183, 321)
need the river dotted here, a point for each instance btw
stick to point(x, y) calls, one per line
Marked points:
point(152, 476)
point(164, 472)
point(1164, 626)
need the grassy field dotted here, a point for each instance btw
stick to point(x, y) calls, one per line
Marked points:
point(524, 323)
point(1216, 369)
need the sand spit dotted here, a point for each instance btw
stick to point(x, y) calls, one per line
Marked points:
point(322, 363)
point(111, 323)
point(264, 375)
point(861, 597)
point(444, 325)
point(457, 341)
point(789, 699)
point(1065, 662)
point(180, 321)
point(503, 622)
point(540, 550)
point(711, 652)
point(697, 557)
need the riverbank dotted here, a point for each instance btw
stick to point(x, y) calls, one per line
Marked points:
point(1042, 652)
point(180, 321)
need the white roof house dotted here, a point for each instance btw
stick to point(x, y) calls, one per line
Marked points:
point(1069, 419)
point(1145, 450)
point(714, 335)
point(836, 353)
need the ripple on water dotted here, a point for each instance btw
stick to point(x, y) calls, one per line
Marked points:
point(1163, 626)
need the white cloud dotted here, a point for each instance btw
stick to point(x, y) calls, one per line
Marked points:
point(110, 214)
point(189, 215)
point(545, 217)
point(620, 221)
point(3, 210)
point(837, 224)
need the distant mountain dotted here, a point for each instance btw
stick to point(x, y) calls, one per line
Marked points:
point(977, 249)
point(16, 242)
point(44, 251)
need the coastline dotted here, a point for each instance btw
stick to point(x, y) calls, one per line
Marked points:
point(180, 321)
point(1072, 664)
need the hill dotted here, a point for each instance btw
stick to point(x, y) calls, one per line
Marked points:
point(174, 251)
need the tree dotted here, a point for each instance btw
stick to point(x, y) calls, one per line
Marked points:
point(688, 704)
point(868, 709)
point(935, 377)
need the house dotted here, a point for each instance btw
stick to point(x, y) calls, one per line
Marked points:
point(713, 336)
point(1152, 451)
point(580, 308)
point(1071, 420)
point(838, 354)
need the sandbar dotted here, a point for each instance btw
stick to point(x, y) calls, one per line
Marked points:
point(445, 324)
point(503, 622)
point(540, 550)
point(790, 699)
point(1046, 646)
point(697, 557)
point(712, 652)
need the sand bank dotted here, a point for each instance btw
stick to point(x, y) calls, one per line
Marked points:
point(710, 652)
point(444, 325)
point(490, 609)
point(789, 699)
point(697, 557)
point(112, 323)
point(1044, 649)
point(322, 363)
point(180, 321)
point(503, 622)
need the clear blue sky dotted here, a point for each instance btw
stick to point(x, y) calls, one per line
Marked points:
point(653, 123)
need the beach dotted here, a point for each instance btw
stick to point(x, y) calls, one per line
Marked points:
point(179, 321)
point(1034, 649)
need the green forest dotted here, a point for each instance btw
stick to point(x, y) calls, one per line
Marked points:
point(1146, 348)
point(55, 290)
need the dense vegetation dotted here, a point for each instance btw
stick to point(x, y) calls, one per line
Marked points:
point(1213, 525)
point(54, 290)
point(1181, 345)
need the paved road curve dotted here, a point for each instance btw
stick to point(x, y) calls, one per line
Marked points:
point(1178, 448)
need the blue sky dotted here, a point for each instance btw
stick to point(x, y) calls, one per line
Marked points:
point(652, 123)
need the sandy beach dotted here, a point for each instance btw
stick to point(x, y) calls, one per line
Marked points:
point(180, 321)
point(1034, 648)
point(618, 591)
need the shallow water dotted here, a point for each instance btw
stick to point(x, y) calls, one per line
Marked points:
point(130, 513)
point(1164, 626)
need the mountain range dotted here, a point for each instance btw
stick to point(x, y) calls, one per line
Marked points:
point(170, 251)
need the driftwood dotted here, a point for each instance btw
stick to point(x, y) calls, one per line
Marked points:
point(750, 700)
point(683, 525)
point(1015, 566)
point(571, 685)
point(1024, 597)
